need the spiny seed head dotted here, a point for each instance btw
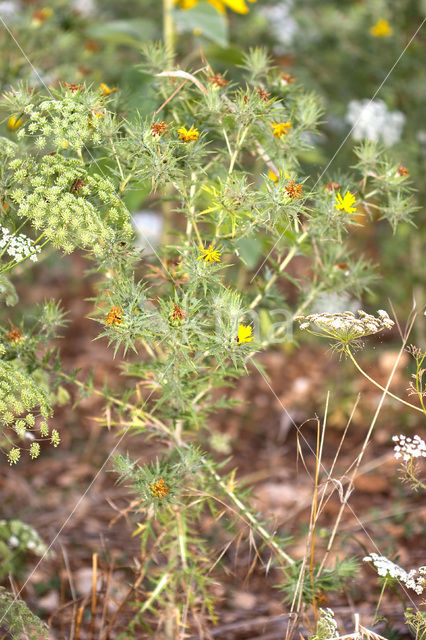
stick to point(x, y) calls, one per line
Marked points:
point(403, 171)
point(159, 489)
point(14, 335)
point(178, 314)
point(263, 94)
point(114, 316)
point(158, 128)
point(294, 190)
point(217, 80)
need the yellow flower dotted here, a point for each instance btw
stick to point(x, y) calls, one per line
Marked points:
point(188, 135)
point(381, 29)
point(244, 334)
point(14, 123)
point(41, 15)
point(210, 254)
point(239, 6)
point(280, 128)
point(273, 176)
point(345, 204)
point(106, 90)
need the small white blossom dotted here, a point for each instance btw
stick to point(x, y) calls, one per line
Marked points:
point(414, 579)
point(371, 120)
point(282, 24)
point(13, 541)
point(18, 246)
point(407, 448)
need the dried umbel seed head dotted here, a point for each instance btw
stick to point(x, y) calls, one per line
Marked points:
point(345, 327)
point(415, 351)
point(217, 80)
point(114, 316)
point(158, 128)
point(159, 489)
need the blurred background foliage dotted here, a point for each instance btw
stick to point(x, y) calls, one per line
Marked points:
point(349, 52)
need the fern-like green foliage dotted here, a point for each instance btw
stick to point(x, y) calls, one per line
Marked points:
point(18, 621)
point(329, 580)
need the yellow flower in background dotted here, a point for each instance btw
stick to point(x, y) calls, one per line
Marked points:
point(280, 128)
point(381, 29)
point(239, 6)
point(14, 123)
point(244, 334)
point(273, 176)
point(210, 254)
point(106, 90)
point(345, 204)
point(188, 135)
point(41, 15)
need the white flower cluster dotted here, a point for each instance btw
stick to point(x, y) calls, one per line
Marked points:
point(371, 120)
point(407, 448)
point(18, 246)
point(346, 326)
point(414, 579)
point(282, 24)
point(17, 534)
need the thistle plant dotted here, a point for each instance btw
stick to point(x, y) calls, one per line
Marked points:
point(226, 163)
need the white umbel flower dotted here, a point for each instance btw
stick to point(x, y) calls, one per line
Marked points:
point(414, 579)
point(18, 246)
point(408, 448)
point(371, 120)
point(345, 327)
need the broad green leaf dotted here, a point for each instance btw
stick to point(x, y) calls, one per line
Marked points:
point(250, 251)
point(203, 20)
point(126, 32)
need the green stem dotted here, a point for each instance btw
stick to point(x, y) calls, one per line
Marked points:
point(168, 26)
point(380, 598)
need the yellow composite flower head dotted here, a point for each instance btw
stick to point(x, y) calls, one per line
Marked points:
point(106, 90)
point(280, 128)
point(14, 123)
point(345, 204)
point(381, 29)
point(239, 6)
point(244, 334)
point(188, 135)
point(273, 176)
point(210, 254)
